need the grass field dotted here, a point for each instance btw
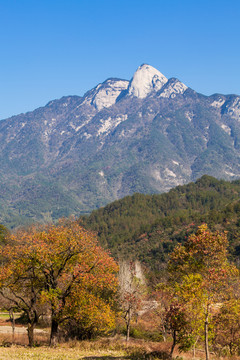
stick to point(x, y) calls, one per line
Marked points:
point(4, 316)
point(21, 353)
point(105, 349)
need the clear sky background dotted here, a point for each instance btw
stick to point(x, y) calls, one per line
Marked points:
point(53, 48)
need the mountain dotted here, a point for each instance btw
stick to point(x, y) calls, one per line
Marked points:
point(145, 135)
point(148, 227)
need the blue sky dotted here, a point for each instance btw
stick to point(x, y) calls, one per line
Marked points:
point(52, 48)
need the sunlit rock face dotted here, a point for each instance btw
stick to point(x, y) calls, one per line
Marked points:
point(145, 80)
point(106, 94)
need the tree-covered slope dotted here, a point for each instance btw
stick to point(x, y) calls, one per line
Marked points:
point(148, 227)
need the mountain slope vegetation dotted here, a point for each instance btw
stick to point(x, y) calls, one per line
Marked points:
point(148, 227)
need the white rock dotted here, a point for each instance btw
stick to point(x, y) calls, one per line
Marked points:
point(226, 128)
point(176, 87)
point(230, 173)
point(233, 109)
point(189, 115)
point(145, 80)
point(169, 172)
point(175, 162)
point(77, 128)
point(87, 136)
point(106, 94)
point(155, 173)
point(218, 103)
point(110, 124)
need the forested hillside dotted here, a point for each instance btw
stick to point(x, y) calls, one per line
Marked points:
point(148, 227)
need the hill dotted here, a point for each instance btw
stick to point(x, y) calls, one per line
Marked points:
point(148, 227)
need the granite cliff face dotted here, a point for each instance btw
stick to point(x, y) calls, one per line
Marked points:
point(145, 135)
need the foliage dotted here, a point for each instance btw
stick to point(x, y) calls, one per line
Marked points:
point(91, 316)
point(177, 322)
point(227, 327)
point(148, 227)
point(204, 253)
point(57, 265)
point(19, 285)
point(201, 277)
point(3, 234)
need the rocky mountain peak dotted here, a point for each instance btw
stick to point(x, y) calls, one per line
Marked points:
point(105, 94)
point(145, 80)
point(172, 88)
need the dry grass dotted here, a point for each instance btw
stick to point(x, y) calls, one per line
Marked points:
point(104, 349)
point(73, 350)
point(41, 339)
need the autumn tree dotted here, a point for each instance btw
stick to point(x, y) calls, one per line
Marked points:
point(91, 306)
point(191, 297)
point(20, 283)
point(61, 263)
point(227, 327)
point(91, 314)
point(179, 312)
point(176, 323)
point(204, 257)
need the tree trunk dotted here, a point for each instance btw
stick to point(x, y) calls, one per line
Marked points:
point(206, 336)
point(12, 319)
point(128, 332)
point(194, 348)
point(30, 331)
point(54, 331)
point(174, 343)
point(164, 333)
point(128, 320)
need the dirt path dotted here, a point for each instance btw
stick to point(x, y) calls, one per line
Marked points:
point(7, 329)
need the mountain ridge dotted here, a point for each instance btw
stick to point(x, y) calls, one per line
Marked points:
point(78, 153)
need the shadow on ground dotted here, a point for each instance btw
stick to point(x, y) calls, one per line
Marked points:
point(150, 356)
point(106, 358)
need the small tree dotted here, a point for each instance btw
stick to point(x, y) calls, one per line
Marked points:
point(204, 255)
point(191, 296)
point(180, 312)
point(227, 327)
point(176, 323)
